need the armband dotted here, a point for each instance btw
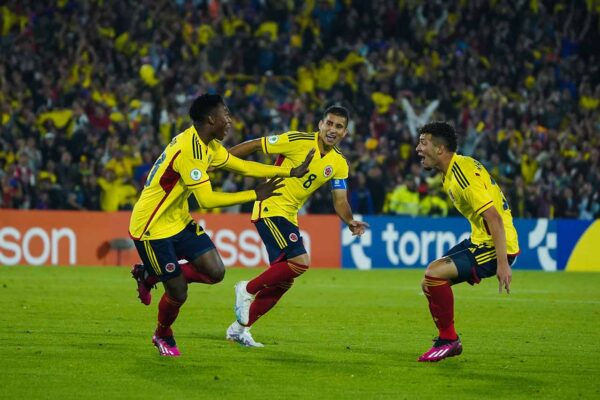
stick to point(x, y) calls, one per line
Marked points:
point(338, 184)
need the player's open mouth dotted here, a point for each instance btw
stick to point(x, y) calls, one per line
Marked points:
point(331, 137)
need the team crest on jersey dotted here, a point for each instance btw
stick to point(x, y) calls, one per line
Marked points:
point(170, 267)
point(293, 237)
point(195, 174)
point(273, 139)
point(328, 171)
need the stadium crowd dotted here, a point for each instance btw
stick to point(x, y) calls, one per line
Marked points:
point(91, 91)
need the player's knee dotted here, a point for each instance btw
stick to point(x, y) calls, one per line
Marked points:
point(217, 274)
point(216, 270)
point(305, 260)
point(429, 271)
point(299, 264)
point(298, 268)
point(435, 270)
point(212, 267)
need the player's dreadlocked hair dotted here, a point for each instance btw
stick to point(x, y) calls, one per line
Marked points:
point(442, 132)
point(203, 105)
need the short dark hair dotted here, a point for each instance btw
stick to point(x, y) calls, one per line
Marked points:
point(339, 111)
point(203, 105)
point(443, 132)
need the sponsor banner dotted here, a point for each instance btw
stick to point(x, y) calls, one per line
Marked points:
point(396, 242)
point(98, 238)
point(579, 245)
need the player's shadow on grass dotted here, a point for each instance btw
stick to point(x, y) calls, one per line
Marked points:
point(501, 382)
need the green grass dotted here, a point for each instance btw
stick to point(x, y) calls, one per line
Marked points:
point(73, 333)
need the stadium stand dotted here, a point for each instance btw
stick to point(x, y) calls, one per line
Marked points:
point(90, 92)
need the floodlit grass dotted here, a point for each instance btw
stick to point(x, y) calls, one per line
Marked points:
point(79, 333)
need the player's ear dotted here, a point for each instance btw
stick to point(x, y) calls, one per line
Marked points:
point(211, 119)
point(320, 124)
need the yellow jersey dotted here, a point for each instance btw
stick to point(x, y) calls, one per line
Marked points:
point(292, 148)
point(472, 190)
point(162, 210)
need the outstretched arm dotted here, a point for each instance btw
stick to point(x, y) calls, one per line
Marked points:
point(207, 198)
point(245, 148)
point(496, 227)
point(343, 210)
point(259, 170)
point(254, 169)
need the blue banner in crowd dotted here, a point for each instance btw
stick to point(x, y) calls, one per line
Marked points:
point(398, 242)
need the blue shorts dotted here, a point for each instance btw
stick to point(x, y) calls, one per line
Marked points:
point(474, 262)
point(161, 256)
point(281, 237)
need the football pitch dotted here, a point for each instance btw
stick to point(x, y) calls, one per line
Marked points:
point(81, 333)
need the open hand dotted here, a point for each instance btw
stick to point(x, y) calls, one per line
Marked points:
point(302, 169)
point(357, 227)
point(267, 188)
point(504, 275)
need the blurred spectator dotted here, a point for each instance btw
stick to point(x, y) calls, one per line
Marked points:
point(376, 185)
point(432, 203)
point(566, 205)
point(361, 200)
point(116, 194)
point(404, 200)
point(589, 203)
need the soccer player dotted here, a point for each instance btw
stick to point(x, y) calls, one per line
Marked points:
point(161, 226)
point(277, 220)
point(492, 247)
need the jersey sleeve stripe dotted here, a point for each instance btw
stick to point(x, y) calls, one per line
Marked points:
point(483, 207)
point(263, 143)
point(301, 134)
point(302, 138)
point(197, 184)
point(460, 172)
point(337, 150)
point(460, 182)
point(196, 148)
point(224, 162)
point(460, 176)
